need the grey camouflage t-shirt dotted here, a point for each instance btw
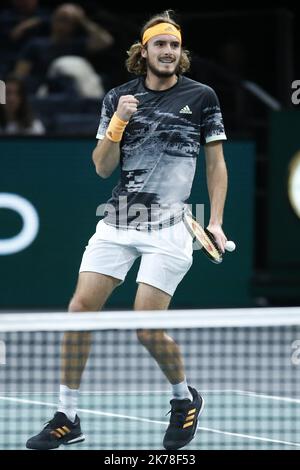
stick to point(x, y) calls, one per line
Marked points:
point(159, 149)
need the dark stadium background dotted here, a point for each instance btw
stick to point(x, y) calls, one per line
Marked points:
point(261, 142)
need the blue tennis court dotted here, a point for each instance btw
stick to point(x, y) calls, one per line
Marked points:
point(232, 419)
point(245, 366)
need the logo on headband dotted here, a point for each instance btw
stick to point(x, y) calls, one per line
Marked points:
point(160, 28)
point(169, 28)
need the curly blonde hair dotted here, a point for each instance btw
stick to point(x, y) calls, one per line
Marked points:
point(137, 65)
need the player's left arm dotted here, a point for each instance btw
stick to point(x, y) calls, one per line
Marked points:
point(216, 175)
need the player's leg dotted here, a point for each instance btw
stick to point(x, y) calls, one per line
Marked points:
point(105, 263)
point(186, 404)
point(163, 266)
point(160, 345)
point(92, 291)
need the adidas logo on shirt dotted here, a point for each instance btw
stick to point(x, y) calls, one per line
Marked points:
point(185, 110)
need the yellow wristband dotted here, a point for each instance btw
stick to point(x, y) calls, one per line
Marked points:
point(115, 129)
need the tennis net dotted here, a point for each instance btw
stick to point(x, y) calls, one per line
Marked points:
point(244, 362)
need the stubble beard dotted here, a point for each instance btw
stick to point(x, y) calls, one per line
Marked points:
point(159, 73)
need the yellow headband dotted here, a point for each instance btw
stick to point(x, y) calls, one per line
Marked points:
point(160, 28)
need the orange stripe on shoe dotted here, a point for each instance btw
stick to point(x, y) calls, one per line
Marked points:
point(188, 418)
point(60, 431)
point(186, 425)
point(65, 428)
point(192, 411)
point(56, 434)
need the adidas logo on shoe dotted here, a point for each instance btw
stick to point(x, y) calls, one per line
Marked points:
point(183, 421)
point(185, 110)
point(59, 430)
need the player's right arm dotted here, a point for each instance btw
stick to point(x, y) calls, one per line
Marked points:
point(106, 155)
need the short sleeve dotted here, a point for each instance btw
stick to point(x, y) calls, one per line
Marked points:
point(212, 127)
point(109, 105)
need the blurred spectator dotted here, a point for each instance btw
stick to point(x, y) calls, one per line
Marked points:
point(72, 75)
point(16, 116)
point(23, 20)
point(19, 23)
point(65, 40)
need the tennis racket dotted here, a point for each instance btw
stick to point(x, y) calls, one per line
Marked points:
point(204, 238)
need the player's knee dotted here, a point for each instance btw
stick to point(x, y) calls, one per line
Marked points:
point(79, 304)
point(149, 337)
point(142, 335)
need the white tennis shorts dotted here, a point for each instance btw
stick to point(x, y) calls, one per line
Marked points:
point(166, 254)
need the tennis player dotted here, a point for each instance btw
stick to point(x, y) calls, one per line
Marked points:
point(152, 127)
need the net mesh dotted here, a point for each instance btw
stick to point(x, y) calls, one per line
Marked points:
point(246, 365)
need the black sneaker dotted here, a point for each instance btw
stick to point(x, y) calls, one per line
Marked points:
point(60, 430)
point(183, 421)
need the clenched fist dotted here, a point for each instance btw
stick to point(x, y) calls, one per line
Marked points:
point(127, 106)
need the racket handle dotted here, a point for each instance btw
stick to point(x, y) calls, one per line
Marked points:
point(230, 245)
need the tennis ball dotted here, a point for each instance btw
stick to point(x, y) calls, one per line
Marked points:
point(229, 246)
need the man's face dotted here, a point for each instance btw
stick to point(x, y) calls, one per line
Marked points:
point(162, 54)
point(63, 24)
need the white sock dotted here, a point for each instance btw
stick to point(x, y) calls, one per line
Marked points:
point(181, 391)
point(68, 399)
